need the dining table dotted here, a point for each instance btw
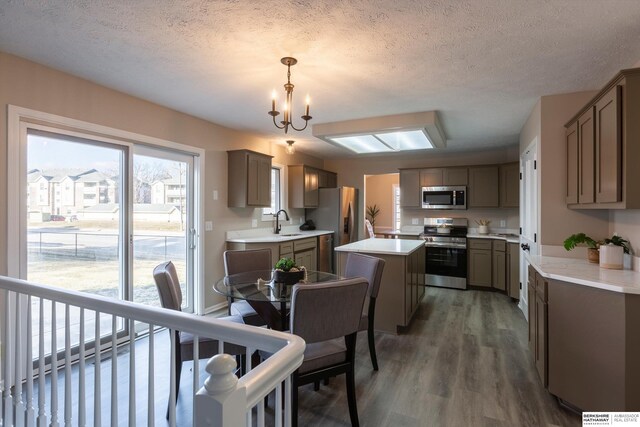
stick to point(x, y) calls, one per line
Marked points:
point(269, 298)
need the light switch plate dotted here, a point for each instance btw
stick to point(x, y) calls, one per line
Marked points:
point(254, 223)
point(503, 223)
point(415, 221)
point(208, 226)
point(215, 194)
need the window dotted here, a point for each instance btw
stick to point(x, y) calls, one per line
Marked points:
point(397, 212)
point(276, 194)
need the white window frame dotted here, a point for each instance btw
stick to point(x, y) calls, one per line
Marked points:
point(268, 217)
point(20, 119)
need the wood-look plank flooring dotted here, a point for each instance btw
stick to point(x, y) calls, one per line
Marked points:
point(463, 361)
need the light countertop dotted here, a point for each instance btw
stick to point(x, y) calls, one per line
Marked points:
point(582, 272)
point(382, 246)
point(510, 238)
point(284, 236)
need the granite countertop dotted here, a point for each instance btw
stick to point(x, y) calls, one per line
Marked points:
point(382, 246)
point(582, 272)
point(284, 236)
point(510, 238)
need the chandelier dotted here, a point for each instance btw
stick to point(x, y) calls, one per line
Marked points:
point(286, 123)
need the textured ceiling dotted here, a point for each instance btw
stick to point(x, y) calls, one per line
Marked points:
point(481, 63)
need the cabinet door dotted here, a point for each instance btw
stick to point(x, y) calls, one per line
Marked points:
point(310, 188)
point(322, 179)
point(410, 196)
point(455, 176)
point(513, 269)
point(332, 180)
point(531, 298)
point(479, 267)
point(430, 177)
point(483, 187)
point(586, 160)
point(258, 180)
point(571, 138)
point(541, 338)
point(510, 185)
point(609, 148)
point(499, 270)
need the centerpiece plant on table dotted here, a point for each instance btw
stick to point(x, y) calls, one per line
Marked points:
point(286, 271)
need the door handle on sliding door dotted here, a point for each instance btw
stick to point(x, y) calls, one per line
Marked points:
point(192, 238)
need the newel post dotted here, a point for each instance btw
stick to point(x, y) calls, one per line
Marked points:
point(220, 402)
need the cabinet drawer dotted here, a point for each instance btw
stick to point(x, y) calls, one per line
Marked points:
point(302, 244)
point(286, 249)
point(500, 245)
point(480, 244)
point(541, 287)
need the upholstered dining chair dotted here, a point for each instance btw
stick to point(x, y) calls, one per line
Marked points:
point(168, 285)
point(327, 316)
point(370, 231)
point(241, 261)
point(359, 265)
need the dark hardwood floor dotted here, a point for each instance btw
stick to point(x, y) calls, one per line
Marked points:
point(463, 361)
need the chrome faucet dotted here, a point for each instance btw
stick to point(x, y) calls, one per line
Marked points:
point(277, 216)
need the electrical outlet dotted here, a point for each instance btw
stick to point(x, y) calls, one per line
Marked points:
point(415, 221)
point(254, 223)
point(503, 223)
point(208, 226)
point(425, 221)
point(215, 194)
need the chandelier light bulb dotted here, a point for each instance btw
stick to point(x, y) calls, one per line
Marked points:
point(290, 149)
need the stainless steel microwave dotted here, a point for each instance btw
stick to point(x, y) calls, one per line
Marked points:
point(444, 197)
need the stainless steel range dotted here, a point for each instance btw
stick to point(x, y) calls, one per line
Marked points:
point(445, 240)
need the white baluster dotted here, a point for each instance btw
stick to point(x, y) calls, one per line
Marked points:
point(261, 413)
point(278, 408)
point(172, 380)
point(114, 371)
point(220, 347)
point(97, 385)
point(220, 402)
point(68, 399)
point(151, 407)
point(42, 411)
point(17, 384)
point(196, 372)
point(132, 373)
point(29, 360)
point(247, 368)
point(287, 402)
point(82, 412)
point(54, 367)
point(6, 354)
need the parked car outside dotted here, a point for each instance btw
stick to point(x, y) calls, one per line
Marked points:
point(72, 218)
point(57, 218)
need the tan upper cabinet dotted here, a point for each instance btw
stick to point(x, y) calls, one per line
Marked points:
point(571, 138)
point(483, 187)
point(605, 134)
point(609, 147)
point(431, 177)
point(249, 179)
point(304, 182)
point(410, 188)
point(510, 185)
point(455, 176)
point(586, 162)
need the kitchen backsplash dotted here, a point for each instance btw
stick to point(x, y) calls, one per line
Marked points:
point(504, 218)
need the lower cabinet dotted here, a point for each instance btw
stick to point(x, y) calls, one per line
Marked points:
point(538, 322)
point(513, 270)
point(499, 262)
point(479, 263)
point(302, 251)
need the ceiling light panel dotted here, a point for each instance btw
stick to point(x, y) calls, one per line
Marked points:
point(362, 144)
point(406, 140)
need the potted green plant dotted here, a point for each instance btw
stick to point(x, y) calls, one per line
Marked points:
point(372, 213)
point(287, 272)
point(582, 239)
point(618, 241)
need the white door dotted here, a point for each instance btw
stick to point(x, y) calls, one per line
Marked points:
point(528, 215)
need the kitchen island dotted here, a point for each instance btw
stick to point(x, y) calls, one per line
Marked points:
point(402, 287)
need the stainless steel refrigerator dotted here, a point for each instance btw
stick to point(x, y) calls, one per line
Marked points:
point(337, 211)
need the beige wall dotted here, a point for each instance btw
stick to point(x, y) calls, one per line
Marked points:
point(557, 221)
point(351, 171)
point(379, 191)
point(30, 85)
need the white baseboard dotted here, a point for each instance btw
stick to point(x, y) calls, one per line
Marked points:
point(214, 308)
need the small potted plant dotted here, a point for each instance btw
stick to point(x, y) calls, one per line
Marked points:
point(287, 272)
point(579, 239)
point(372, 213)
point(483, 226)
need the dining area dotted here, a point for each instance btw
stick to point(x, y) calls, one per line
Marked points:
point(326, 310)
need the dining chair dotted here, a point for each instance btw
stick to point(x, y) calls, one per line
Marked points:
point(359, 265)
point(369, 226)
point(241, 261)
point(327, 316)
point(168, 285)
